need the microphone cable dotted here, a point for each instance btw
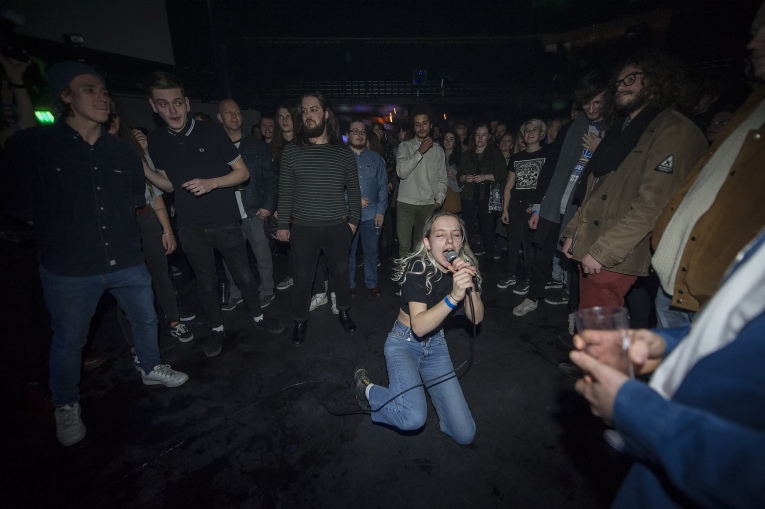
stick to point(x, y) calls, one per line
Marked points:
point(450, 257)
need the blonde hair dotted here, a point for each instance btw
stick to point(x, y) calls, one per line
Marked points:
point(422, 261)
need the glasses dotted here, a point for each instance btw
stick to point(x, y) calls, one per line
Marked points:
point(628, 80)
point(357, 132)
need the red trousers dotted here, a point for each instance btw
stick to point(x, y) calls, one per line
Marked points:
point(604, 289)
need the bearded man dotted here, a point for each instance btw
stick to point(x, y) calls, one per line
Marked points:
point(638, 165)
point(316, 171)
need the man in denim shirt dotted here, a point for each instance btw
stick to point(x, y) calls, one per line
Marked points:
point(374, 200)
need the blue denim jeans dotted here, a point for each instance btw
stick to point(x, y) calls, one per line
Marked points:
point(369, 243)
point(411, 362)
point(72, 301)
point(669, 317)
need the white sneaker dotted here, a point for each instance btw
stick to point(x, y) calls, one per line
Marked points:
point(69, 426)
point(318, 300)
point(571, 324)
point(525, 307)
point(335, 311)
point(286, 283)
point(163, 374)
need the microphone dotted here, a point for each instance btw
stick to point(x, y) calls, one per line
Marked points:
point(450, 257)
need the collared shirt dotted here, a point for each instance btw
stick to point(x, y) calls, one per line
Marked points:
point(423, 176)
point(199, 150)
point(374, 183)
point(81, 197)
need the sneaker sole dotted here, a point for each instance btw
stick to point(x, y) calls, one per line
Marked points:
point(266, 303)
point(318, 305)
point(505, 286)
point(182, 340)
point(172, 384)
point(521, 291)
point(187, 318)
point(70, 441)
point(555, 302)
point(229, 307)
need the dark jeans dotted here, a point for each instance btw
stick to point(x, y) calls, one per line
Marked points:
point(72, 301)
point(367, 233)
point(487, 223)
point(307, 242)
point(519, 235)
point(546, 243)
point(156, 262)
point(229, 240)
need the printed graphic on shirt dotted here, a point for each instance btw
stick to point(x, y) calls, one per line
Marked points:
point(527, 173)
point(666, 165)
point(579, 166)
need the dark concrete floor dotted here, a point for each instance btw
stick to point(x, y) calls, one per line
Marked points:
point(266, 424)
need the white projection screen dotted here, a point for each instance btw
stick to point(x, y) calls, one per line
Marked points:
point(135, 28)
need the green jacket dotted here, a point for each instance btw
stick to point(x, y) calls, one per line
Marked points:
point(615, 222)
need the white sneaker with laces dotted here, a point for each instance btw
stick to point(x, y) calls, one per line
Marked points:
point(525, 307)
point(181, 332)
point(163, 374)
point(318, 300)
point(335, 311)
point(69, 426)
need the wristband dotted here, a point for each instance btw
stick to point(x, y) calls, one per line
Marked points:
point(449, 303)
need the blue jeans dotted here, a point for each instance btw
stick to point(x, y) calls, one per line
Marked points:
point(72, 301)
point(411, 362)
point(369, 243)
point(669, 317)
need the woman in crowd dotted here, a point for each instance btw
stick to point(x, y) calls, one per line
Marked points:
point(481, 167)
point(416, 354)
point(453, 153)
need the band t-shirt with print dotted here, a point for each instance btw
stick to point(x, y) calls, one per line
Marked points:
point(531, 175)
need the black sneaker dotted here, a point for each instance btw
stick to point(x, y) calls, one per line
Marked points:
point(214, 343)
point(265, 300)
point(522, 288)
point(186, 316)
point(558, 299)
point(181, 333)
point(506, 282)
point(553, 284)
point(271, 325)
point(360, 382)
point(231, 304)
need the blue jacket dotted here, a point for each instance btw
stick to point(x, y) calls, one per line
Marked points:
point(373, 181)
point(262, 189)
point(705, 447)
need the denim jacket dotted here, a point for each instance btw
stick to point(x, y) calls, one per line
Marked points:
point(261, 190)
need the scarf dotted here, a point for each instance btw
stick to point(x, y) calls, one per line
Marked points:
point(614, 149)
point(570, 153)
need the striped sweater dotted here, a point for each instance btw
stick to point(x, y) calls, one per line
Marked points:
point(313, 180)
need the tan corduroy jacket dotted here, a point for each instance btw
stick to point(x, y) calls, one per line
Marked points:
point(735, 217)
point(617, 217)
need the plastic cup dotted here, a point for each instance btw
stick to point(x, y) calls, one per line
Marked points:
point(614, 347)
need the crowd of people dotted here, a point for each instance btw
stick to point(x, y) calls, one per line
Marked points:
point(625, 189)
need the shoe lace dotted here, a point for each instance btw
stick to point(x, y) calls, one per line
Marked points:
point(68, 416)
point(180, 329)
point(163, 370)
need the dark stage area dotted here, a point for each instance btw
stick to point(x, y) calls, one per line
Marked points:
point(266, 424)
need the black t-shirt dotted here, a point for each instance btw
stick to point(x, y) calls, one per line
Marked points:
point(199, 150)
point(532, 175)
point(414, 289)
